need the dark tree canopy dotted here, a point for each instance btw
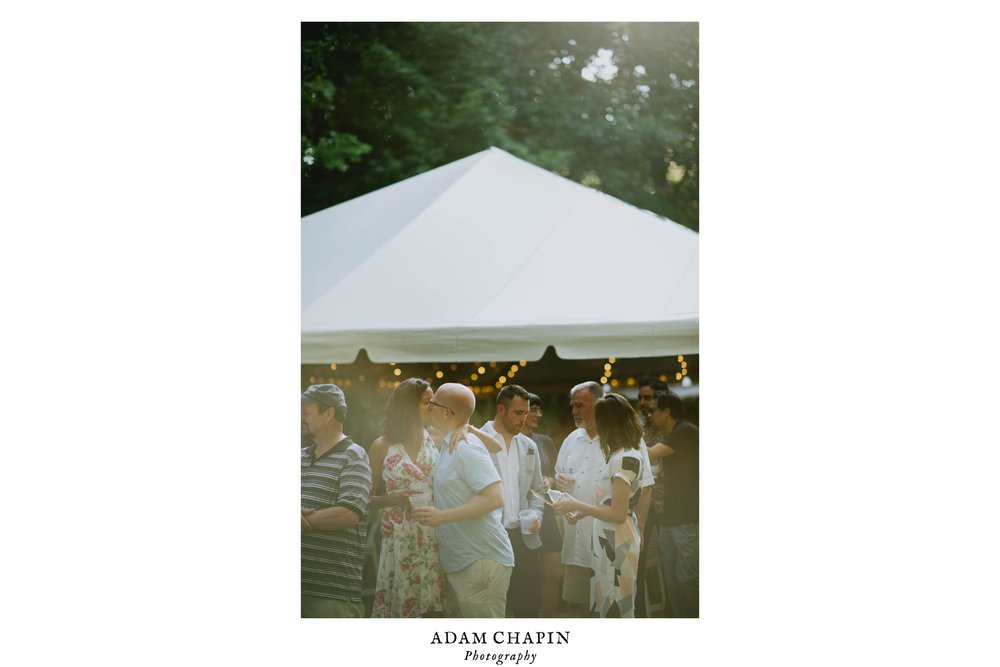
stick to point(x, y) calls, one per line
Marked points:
point(611, 106)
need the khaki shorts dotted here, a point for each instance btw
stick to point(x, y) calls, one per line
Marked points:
point(576, 584)
point(480, 590)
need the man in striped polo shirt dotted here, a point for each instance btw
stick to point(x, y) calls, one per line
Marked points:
point(336, 481)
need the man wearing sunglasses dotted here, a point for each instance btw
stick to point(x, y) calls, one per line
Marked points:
point(476, 554)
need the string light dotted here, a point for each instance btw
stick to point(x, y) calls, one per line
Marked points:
point(604, 380)
point(493, 364)
point(630, 382)
point(679, 376)
point(680, 357)
point(333, 367)
point(513, 368)
point(502, 379)
point(607, 367)
point(684, 364)
point(481, 370)
point(614, 383)
point(397, 372)
point(523, 363)
point(392, 363)
point(611, 360)
point(439, 375)
point(663, 378)
point(474, 377)
point(454, 367)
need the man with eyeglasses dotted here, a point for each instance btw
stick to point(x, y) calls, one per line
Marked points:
point(476, 554)
point(646, 403)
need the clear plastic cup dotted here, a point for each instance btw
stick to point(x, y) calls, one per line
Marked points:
point(568, 476)
point(420, 499)
point(527, 517)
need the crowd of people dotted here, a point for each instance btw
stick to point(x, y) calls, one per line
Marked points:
point(496, 521)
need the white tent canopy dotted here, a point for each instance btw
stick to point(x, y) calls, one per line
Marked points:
point(491, 257)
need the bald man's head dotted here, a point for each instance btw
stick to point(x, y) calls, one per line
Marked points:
point(458, 398)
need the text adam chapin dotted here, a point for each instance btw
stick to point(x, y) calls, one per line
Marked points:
point(501, 637)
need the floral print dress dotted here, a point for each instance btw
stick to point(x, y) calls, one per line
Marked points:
point(615, 557)
point(410, 582)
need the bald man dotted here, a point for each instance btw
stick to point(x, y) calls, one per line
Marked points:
point(476, 554)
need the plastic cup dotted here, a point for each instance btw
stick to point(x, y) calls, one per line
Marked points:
point(420, 499)
point(567, 477)
point(527, 517)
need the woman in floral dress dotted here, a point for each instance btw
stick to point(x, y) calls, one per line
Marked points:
point(616, 540)
point(409, 582)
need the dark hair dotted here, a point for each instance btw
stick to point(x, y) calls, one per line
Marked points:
point(617, 424)
point(654, 382)
point(668, 399)
point(509, 392)
point(402, 412)
point(533, 400)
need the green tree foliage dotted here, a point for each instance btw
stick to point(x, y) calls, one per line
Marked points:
point(611, 106)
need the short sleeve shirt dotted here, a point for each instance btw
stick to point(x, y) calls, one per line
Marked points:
point(458, 476)
point(680, 477)
point(332, 560)
point(583, 456)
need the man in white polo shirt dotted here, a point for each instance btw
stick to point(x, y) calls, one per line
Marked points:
point(521, 473)
point(578, 466)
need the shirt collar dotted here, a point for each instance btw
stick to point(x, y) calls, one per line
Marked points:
point(341, 445)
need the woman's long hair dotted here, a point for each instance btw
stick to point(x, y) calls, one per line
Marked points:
point(402, 413)
point(617, 424)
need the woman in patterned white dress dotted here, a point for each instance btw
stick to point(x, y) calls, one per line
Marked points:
point(616, 539)
point(409, 582)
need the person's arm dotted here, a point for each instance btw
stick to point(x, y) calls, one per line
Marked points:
point(488, 499)
point(333, 518)
point(642, 508)
point(492, 444)
point(352, 500)
point(617, 512)
point(659, 450)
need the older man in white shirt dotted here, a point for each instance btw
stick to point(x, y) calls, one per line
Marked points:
point(578, 465)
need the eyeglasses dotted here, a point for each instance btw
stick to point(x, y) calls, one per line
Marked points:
point(440, 406)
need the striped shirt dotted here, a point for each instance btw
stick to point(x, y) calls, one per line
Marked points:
point(332, 560)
